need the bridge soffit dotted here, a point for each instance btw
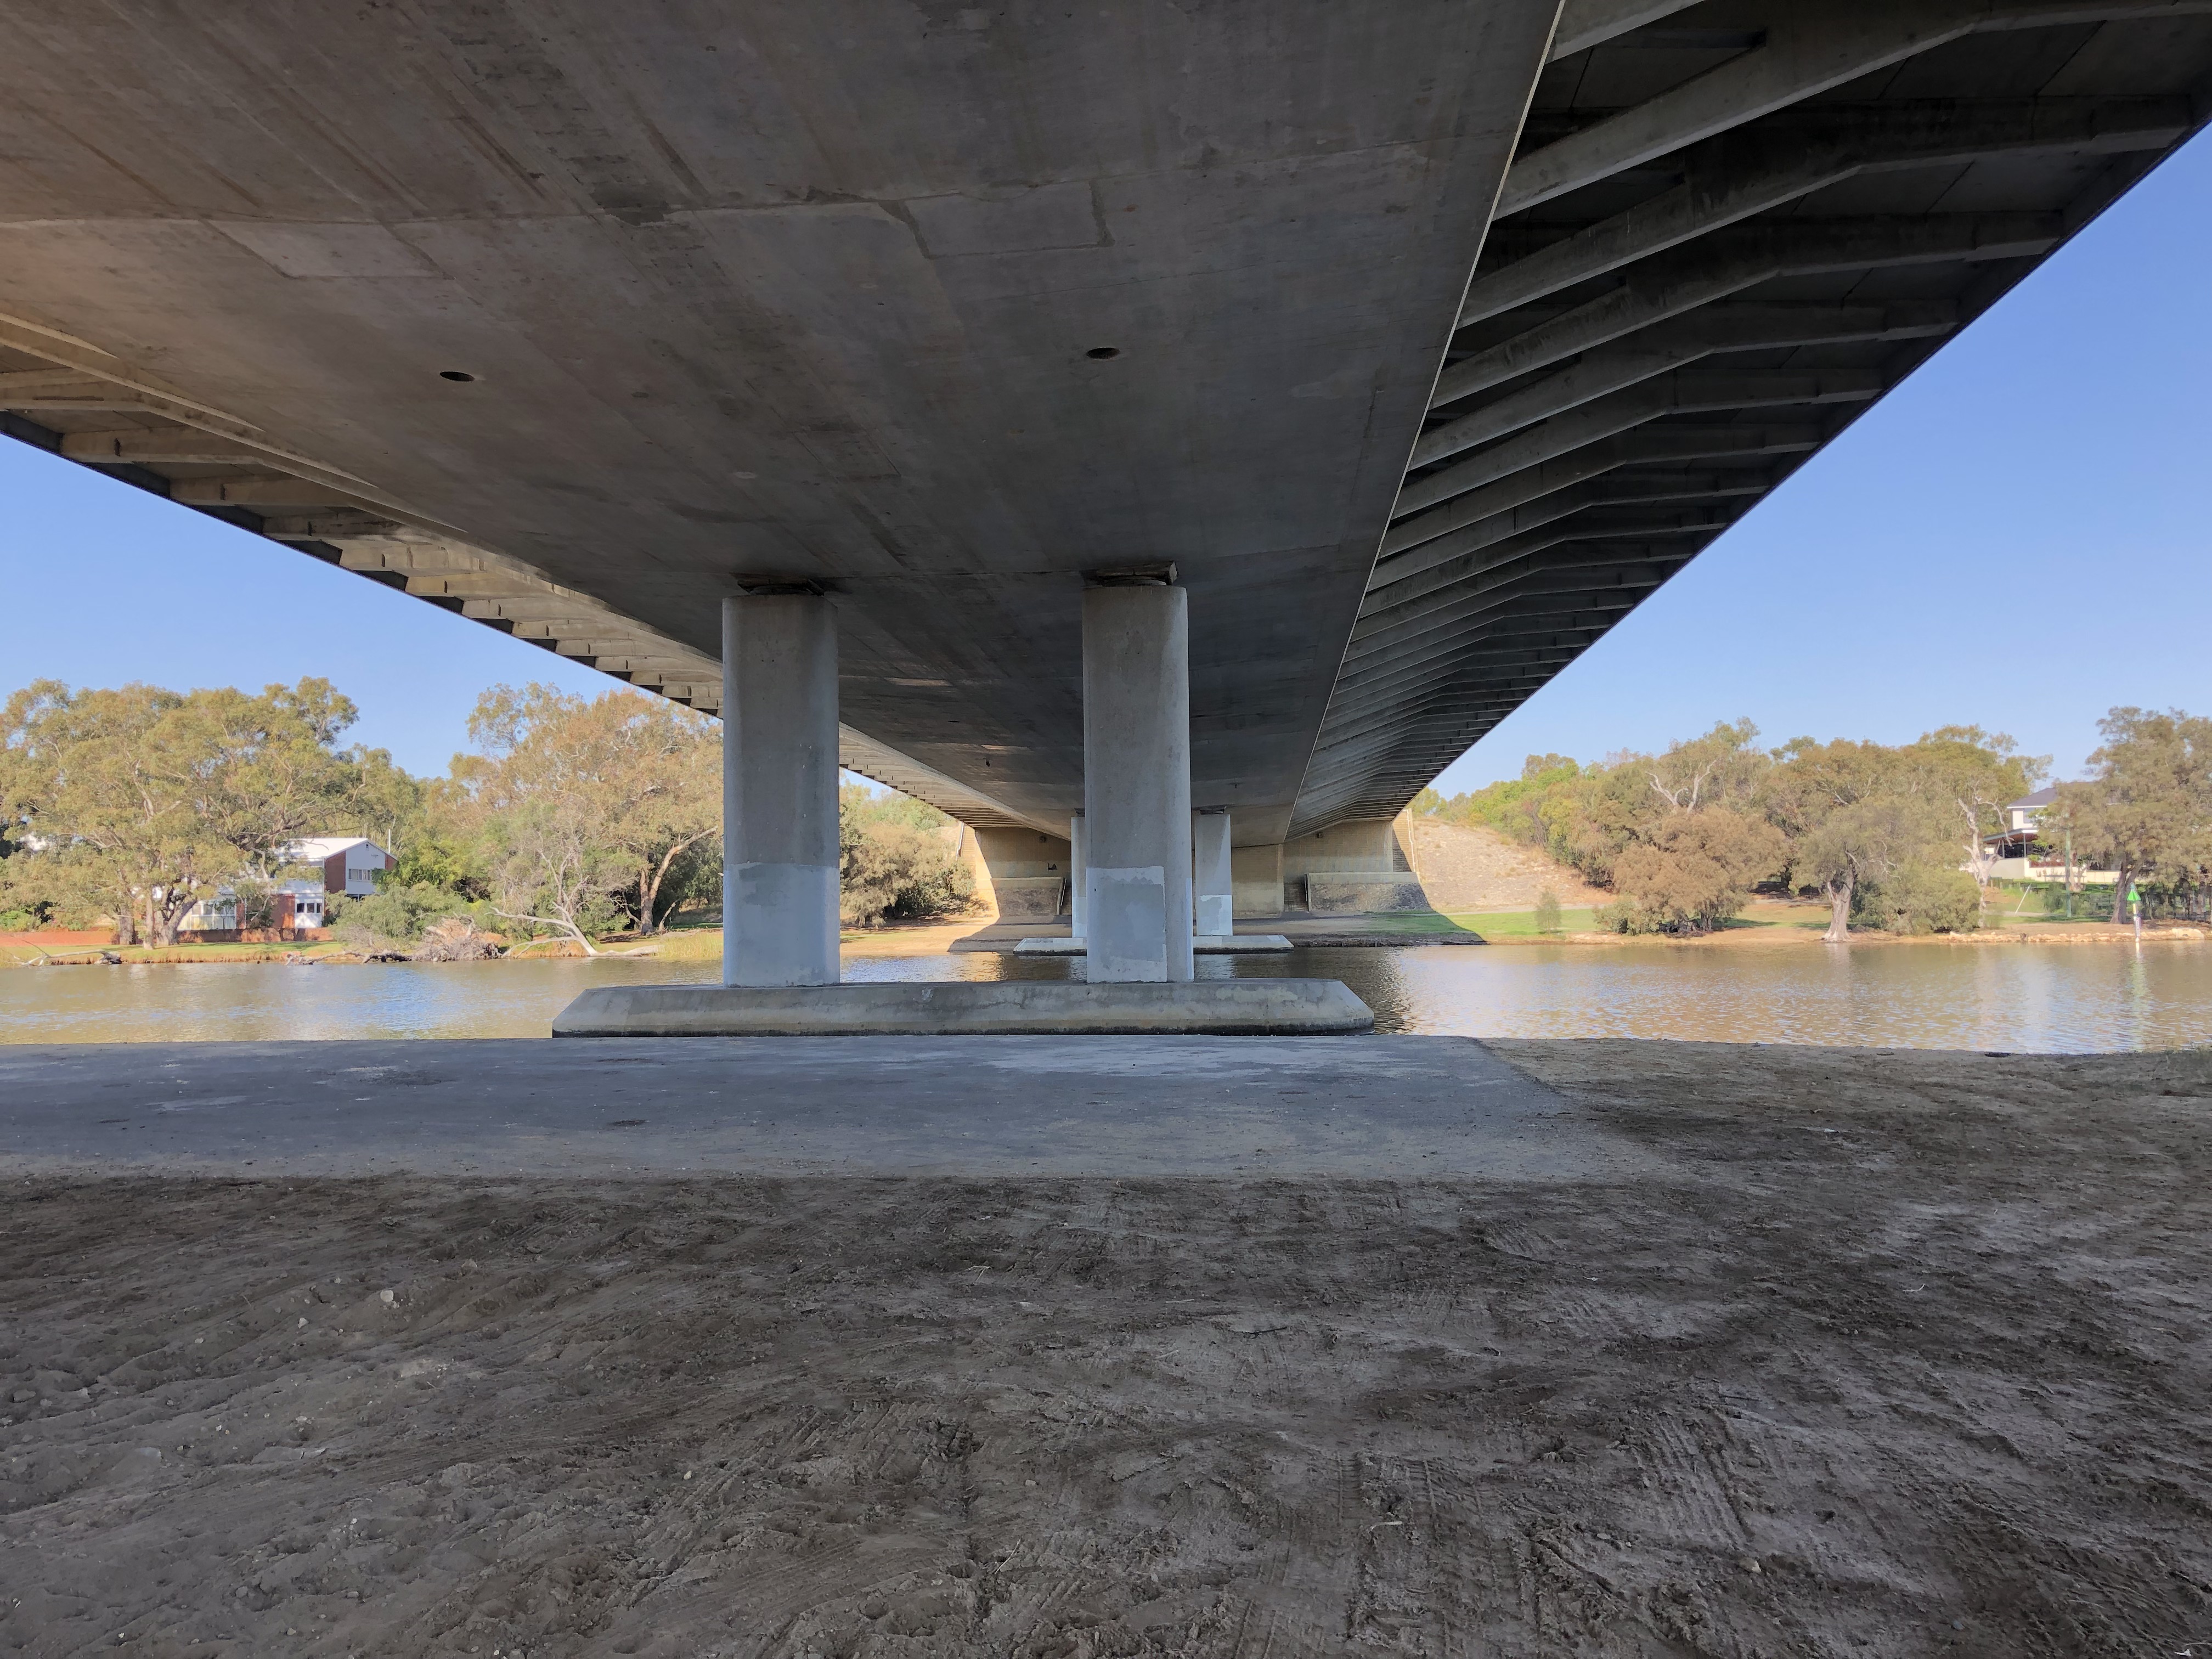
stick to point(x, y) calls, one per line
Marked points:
point(1677, 304)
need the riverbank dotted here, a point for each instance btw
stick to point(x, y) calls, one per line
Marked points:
point(1801, 1351)
point(1787, 922)
point(1762, 926)
point(677, 945)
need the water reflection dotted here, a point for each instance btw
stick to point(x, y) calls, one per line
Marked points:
point(2058, 997)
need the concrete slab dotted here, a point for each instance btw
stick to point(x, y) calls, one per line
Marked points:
point(1245, 1007)
point(1205, 944)
point(1377, 1106)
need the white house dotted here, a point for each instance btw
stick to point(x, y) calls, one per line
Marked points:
point(299, 905)
point(2011, 852)
point(351, 864)
point(218, 915)
point(306, 898)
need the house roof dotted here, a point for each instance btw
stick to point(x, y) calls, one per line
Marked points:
point(316, 849)
point(2041, 798)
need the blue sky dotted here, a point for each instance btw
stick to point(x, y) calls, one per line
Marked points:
point(2016, 538)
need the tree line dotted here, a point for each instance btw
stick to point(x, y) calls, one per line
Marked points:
point(1894, 836)
point(570, 817)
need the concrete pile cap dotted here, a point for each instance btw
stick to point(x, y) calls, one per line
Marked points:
point(1246, 1007)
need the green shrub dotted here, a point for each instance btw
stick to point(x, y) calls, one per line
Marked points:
point(894, 872)
point(1691, 873)
point(1920, 899)
point(1547, 912)
point(395, 915)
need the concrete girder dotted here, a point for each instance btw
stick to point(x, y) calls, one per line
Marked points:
point(560, 617)
point(1436, 723)
point(255, 492)
point(143, 446)
point(1794, 154)
point(1457, 585)
point(1467, 667)
point(1741, 258)
point(1395, 681)
point(1586, 23)
point(602, 642)
point(606, 629)
point(1402, 769)
point(865, 758)
point(1488, 694)
point(1680, 392)
point(91, 401)
point(615, 649)
point(638, 666)
point(42, 379)
point(411, 558)
point(334, 527)
point(1709, 332)
point(1810, 48)
point(1366, 712)
point(1433, 737)
point(1438, 563)
point(497, 585)
point(1483, 614)
point(1622, 559)
point(1353, 774)
point(1552, 651)
point(1635, 448)
point(1463, 660)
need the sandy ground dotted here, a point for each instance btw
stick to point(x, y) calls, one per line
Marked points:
point(1878, 1353)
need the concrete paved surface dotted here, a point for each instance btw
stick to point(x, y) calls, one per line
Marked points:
point(1233, 1007)
point(1402, 1107)
point(1898, 1354)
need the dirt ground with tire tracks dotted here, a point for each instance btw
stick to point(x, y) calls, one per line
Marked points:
point(1894, 1353)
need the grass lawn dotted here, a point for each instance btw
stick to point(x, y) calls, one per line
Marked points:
point(1399, 922)
point(1522, 924)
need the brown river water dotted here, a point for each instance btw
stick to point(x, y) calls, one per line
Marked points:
point(2024, 999)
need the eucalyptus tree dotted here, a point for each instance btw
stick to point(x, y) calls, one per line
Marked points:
point(2146, 806)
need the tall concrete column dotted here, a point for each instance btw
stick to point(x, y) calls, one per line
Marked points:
point(1078, 898)
point(779, 790)
point(1136, 782)
point(1216, 893)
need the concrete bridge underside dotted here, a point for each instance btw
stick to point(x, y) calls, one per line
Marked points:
point(572, 319)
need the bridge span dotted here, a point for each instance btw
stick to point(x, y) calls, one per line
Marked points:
point(1066, 416)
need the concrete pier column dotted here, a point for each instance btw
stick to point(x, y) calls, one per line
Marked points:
point(779, 790)
point(1216, 899)
point(1136, 782)
point(1079, 899)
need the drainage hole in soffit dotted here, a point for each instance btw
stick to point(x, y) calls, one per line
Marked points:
point(460, 375)
point(1103, 352)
